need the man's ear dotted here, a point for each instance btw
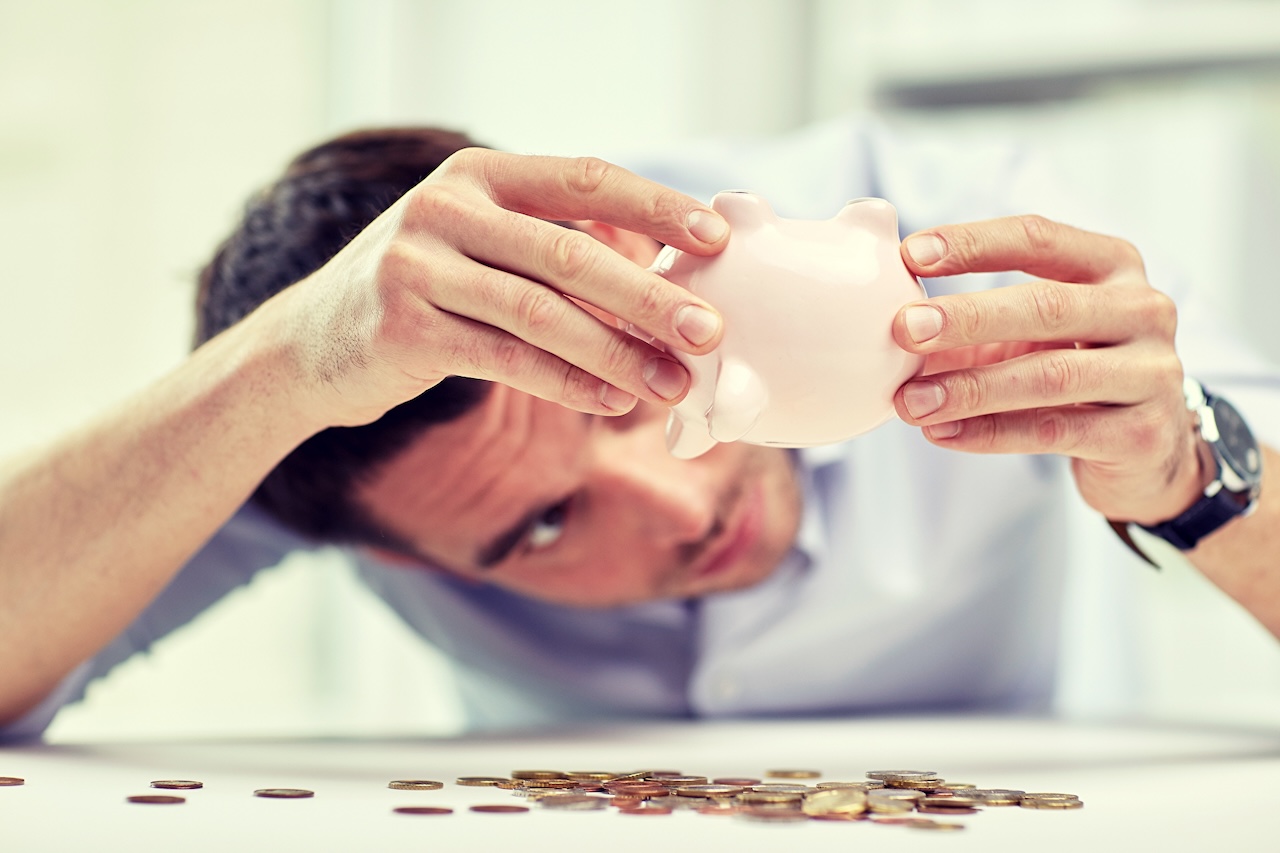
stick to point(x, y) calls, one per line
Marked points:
point(634, 247)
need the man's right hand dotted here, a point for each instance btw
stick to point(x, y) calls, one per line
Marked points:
point(465, 276)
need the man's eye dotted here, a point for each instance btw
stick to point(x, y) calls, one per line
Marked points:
point(544, 532)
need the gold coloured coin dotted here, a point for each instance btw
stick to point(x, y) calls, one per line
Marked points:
point(839, 816)
point(415, 785)
point(860, 786)
point(284, 793)
point(428, 810)
point(481, 781)
point(771, 815)
point(500, 809)
point(1051, 804)
point(763, 798)
point(792, 774)
point(591, 775)
point(177, 784)
point(646, 810)
point(537, 774)
point(935, 825)
point(901, 775)
point(709, 790)
point(835, 801)
point(951, 810)
point(11, 781)
point(156, 799)
point(740, 781)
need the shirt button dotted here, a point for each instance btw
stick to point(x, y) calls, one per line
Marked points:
point(726, 688)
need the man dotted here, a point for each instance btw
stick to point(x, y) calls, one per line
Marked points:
point(534, 527)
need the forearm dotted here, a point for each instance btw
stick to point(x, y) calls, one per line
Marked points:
point(94, 526)
point(1243, 558)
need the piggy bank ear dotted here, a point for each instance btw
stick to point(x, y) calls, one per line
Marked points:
point(871, 213)
point(743, 210)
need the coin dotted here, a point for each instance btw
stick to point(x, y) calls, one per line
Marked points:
point(835, 801)
point(771, 815)
point(996, 796)
point(11, 781)
point(709, 790)
point(646, 810)
point(742, 781)
point(757, 798)
point(548, 783)
point(838, 816)
point(886, 775)
point(936, 825)
point(573, 802)
point(950, 810)
point(177, 784)
point(638, 789)
point(882, 806)
point(673, 779)
point(422, 810)
point(895, 794)
point(1051, 804)
point(156, 799)
point(415, 785)
point(499, 809)
point(781, 789)
point(481, 781)
point(955, 801)
point(1050, 797)
point(591, 775)
point(284, 793)
point(913, 783)
point(792, 774)
point(537, 774)
point(861, 786)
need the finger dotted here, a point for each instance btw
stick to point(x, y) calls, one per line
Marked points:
point(1057, 377)
point(480, 351)
point(575, 264)
point(1093, 433)
point(1038, 311)
point(1031, 244)
point(550, 321)
point(558, 188)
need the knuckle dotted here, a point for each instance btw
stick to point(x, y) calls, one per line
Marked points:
point(1040, 233)
point(968, 392)
point(618, 359)
point(1059, 376)
point(433, 204)
point(539, 309)
point(1054, 306)
point(586, 175)
point(1050, 429)
point(1146, 433)
point(1130, 253)
point(570, 254)
point(507, 356)
point(1159, 312)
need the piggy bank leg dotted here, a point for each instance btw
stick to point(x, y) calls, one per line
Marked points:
point(687, 438)
point(740, 399)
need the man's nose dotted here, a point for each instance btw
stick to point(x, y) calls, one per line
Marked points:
point(669, 500)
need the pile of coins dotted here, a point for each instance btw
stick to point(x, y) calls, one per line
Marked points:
point(886, 797)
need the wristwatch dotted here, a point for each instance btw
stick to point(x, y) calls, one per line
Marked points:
point(1234, 490)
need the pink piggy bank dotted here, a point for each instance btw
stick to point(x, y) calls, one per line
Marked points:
point(807, 356)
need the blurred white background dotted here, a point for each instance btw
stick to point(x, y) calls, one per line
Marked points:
point(131, 131)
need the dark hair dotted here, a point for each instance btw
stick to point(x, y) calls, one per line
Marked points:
point(326, 196)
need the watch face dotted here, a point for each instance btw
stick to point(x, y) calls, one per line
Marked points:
point(1237, 444)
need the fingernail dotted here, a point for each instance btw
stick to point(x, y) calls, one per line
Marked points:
point(926, 249)
point(707, 226)
point(697, 324)
point(665, 378)
point(922, 398)
point(949, 429)
point(924, 322)
point(615, 399)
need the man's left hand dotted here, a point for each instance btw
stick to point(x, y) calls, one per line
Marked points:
point(1078, 362)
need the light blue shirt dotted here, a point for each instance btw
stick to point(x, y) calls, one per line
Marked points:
point(921, 579)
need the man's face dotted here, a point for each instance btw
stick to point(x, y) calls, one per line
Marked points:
point(586, 510)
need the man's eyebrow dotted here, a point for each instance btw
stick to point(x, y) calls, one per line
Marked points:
point(499, 547)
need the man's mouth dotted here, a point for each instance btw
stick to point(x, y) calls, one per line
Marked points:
point(739, 536)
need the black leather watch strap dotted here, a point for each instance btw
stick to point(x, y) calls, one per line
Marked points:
point(1204, 517)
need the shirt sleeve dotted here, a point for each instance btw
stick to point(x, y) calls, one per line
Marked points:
point(249, 542)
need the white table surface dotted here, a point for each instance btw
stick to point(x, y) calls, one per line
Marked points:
point(1145, 787)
